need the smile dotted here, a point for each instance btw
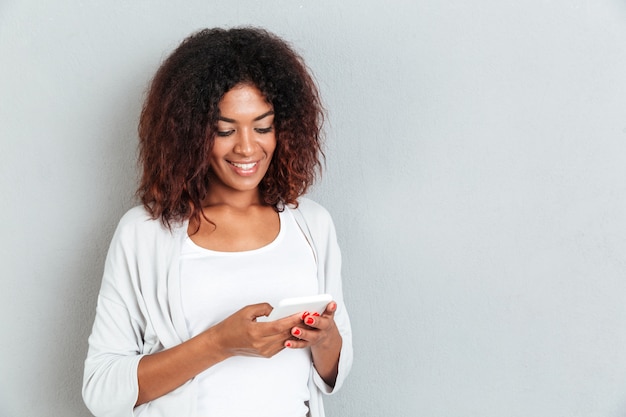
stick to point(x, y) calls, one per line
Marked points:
point(245, 167)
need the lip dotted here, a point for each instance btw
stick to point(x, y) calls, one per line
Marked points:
point(244, 168)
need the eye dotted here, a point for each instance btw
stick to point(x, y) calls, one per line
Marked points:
point(224, 133)
point(264, 130)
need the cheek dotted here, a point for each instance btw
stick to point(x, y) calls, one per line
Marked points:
point(217, 153)
point(270, 146)
point(212, 159)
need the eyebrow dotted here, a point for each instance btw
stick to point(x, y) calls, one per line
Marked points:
point(256, 119)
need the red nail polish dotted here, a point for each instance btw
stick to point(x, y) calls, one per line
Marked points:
point(297, 332)
point(309, 321)
point(316, 314)
point(288, 344)
point(306, 313)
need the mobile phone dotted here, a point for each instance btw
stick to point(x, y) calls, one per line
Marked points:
point(289, 306)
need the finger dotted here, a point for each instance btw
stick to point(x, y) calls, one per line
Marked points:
point(331, 308)
point(311, 320)
point(298, 333)
point(289, 322)
point(273, 342)
point(307, 335)
point(323, 322)
point(318, 322)
point(281, 327)
point(257, 310)
point(296, 344)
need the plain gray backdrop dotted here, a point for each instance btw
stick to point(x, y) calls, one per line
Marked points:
point(475, 171)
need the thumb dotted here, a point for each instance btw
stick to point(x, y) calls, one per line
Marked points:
point(331, 308)
point(256, 310)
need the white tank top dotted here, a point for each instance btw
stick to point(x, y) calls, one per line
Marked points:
point(216, 284)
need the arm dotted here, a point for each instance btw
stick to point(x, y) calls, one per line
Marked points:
point(237, 335)
point(123, 368)
point(162, 372)
point(322, 335)
point(318, 226)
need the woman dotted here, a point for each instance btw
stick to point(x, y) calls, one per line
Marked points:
point(229, 142)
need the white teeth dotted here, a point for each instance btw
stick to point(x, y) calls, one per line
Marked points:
point(244, 166)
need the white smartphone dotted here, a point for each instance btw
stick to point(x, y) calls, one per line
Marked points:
point(289, 306)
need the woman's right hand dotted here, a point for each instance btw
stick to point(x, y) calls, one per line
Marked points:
point(241, 335)
point(238, 334)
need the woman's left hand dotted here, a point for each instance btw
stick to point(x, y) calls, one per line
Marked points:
point(315, 329)
point(320, 333)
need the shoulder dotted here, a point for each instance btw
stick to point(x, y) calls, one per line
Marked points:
point(135, 215)
point(312, 210)
point(138, 220)
point(316, 217)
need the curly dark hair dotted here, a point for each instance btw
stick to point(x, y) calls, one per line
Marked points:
point(179, 119)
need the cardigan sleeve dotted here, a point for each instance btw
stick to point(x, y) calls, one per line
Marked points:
point(324, 237)
point(110, 385)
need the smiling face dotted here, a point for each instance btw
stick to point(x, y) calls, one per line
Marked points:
point(244, 142)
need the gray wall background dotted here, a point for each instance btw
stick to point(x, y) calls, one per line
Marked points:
point(475, 172)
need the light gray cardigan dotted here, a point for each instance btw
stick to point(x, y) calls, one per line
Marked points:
point(139, 312)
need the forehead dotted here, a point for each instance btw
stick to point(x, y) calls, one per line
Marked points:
point(243, 100)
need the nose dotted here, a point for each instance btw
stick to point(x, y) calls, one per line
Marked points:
point(245, 142)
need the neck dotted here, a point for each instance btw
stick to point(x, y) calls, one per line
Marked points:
point(237, 199)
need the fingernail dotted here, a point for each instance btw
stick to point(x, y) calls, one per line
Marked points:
point(297, 332)
point(306, 313)
point(309, 321)
point(288, 344)
point(316, 314)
